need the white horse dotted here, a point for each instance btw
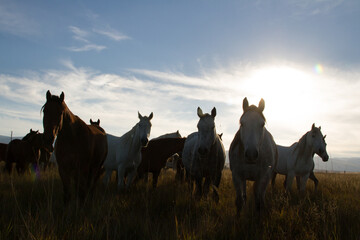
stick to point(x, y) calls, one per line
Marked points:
point(124, 153)
point(297, 160)
point(204, 155)
point(252, 155)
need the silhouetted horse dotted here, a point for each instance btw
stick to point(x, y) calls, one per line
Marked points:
point(80, 149)
point(155, 155)
point(23, 152)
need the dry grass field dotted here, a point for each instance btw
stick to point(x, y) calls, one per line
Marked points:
point(32, 208)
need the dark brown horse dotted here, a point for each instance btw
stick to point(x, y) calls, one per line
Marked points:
point(24, 152)
point(80, 149)
point(155, 155)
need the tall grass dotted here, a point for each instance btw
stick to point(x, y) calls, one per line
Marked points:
point(33, 209)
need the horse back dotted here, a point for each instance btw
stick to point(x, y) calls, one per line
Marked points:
point(154, 156)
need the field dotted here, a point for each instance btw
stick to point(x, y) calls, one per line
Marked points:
point(32, 208)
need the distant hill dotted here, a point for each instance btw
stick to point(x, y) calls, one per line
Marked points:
point(6, 139)
point(333, 165)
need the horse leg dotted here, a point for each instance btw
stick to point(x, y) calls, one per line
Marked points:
point(65, 178)
point(107, 177)
point(288, 181)
point(155, 178)
point(316, 181)
point(121, 176)
point(129, 179)
point(240, 193)
point(216, 186)
point(198, 189)
point(303, 180)
point(206, 186)
point(298, 183)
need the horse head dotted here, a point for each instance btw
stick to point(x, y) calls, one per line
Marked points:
point(53, 109)
point(144, 127)
point(206, 131)
point(252, 128)
point(317, 141)
point(30, 134)
point(95, 123)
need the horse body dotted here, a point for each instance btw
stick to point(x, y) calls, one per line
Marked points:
point(24, 152)
point(297, 160)
point(252, 155)
point(204, 156)
point(124, 154)
point(80, 149)
point(155, 155)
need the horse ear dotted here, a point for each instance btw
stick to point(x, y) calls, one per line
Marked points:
point(62, 96)
point(200, 112)
point(98, 122)
point(245, 104)
point(324, 137)
point(213, 112)
point(139, 115)
point(91, 122)
point(48, 95)
point(319, 127)
point(151, 115)
point(261, 106)
point(313, 126)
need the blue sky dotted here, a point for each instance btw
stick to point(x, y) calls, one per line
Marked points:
point(115, 58)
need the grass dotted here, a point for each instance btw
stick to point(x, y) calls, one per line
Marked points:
point(32, 208)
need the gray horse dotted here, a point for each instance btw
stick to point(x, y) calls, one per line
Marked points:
point(204, 155)
point(253, 155)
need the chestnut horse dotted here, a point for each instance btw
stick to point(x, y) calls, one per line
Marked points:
point(24, 151)
point(155, 155)
point(80, 149)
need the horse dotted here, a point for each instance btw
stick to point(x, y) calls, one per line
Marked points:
point(170, 135)
point(252, 155)
point(204, 156)
point(95, 123)
point(297, 159)
point(80, 149)
point(155, 155)
point(124, 153)
point(24, 151)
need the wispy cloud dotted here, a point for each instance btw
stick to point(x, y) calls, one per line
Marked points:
point(88, 37)
point(111, 33)
point(79, 34)
point(15, 21)
point(315, 7)
point(87, 47)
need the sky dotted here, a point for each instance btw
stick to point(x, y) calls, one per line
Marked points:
point(115, 58)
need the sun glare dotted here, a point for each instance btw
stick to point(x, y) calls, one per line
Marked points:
point(285, 90)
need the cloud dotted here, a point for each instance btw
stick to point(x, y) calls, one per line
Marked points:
point(87, 47)
point(79, 34)
point(15, 21)
point(315, 7)
point(111, 33)
point(290, 108)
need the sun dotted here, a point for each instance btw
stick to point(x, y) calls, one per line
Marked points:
point(287, 91)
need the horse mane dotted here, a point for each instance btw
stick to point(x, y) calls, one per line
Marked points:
point(300, 146)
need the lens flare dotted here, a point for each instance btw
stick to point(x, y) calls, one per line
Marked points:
point(35, 173)
point(319, 68)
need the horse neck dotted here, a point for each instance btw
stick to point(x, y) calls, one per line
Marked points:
point(69, 120)
point(132, 139)
point(303, 150)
